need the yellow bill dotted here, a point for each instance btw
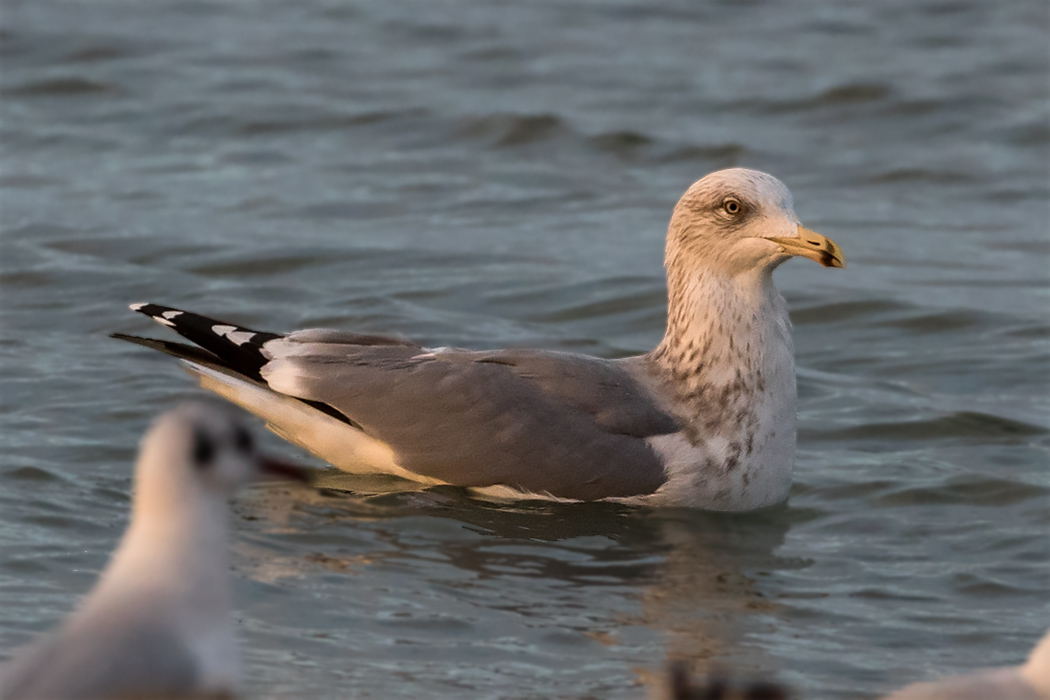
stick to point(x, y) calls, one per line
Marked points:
point(812, 245)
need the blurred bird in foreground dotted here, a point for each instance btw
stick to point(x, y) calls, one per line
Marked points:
point(1029, 681)
point(158, 623)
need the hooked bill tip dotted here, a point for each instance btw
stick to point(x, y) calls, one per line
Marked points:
point(829, 260)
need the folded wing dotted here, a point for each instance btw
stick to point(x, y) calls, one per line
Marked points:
point(546, 422)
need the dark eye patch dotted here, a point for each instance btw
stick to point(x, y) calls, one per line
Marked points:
point(203, 448)
point(242, 440)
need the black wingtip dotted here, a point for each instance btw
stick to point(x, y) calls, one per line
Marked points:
point(179, 350)
point(235, 346)
point(220, 351)
point(165, 315)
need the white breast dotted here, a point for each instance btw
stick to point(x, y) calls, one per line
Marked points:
point(738, 451)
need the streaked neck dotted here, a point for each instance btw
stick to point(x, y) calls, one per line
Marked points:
point(719, 327)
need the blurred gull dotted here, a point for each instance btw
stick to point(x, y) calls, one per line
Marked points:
point(1030, 681)
point(707, 419)
point(158, 623)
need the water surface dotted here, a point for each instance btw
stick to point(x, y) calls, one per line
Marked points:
point(484, 174)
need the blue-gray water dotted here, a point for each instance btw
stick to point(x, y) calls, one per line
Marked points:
point(494, 174)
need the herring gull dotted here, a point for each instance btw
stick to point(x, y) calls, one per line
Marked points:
point(707, 419)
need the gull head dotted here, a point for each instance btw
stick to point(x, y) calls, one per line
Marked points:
point(201, 452)
point(737, 221)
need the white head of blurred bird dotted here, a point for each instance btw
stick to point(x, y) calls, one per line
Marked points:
point(158, 623)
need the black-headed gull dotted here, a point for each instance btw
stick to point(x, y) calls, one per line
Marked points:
point(157, 624)
point(1029, 681)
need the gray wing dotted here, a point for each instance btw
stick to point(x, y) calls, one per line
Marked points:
point(568, 425)
point(102, 662)
point(589, 385)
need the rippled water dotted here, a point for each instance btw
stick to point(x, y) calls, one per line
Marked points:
point(491, 174)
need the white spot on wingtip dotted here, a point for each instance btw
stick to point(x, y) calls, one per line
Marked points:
point(136, 307)
point(232, 334)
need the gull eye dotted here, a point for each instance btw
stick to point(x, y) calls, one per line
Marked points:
point(732, 206)
point(203, 449)
point(242, 440)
